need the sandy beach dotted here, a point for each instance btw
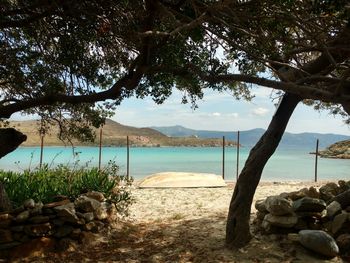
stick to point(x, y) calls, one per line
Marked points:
point(188, 225)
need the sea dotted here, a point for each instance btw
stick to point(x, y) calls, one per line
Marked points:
point(287, 164)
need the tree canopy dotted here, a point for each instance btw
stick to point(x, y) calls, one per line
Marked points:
point(60, 57)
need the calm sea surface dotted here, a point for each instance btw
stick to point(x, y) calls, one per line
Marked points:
point(286, 164)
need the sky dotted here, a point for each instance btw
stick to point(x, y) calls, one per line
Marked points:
point(221, 112)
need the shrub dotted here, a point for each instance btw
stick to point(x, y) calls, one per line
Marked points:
point(44, 184)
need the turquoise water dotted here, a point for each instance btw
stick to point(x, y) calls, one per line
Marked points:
point(286, 164)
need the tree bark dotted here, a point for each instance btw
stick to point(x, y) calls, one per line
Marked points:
point(237, 227)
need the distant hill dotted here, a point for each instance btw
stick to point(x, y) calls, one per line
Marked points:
point(114, 133)
point(250, 137)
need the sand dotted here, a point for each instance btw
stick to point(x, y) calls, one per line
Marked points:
point(187, 225)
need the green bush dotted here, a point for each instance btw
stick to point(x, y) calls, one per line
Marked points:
point(44, 184)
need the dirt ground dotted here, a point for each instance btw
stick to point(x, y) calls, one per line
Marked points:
point(184, 225)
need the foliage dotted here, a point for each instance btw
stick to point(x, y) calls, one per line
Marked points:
point(44, 184)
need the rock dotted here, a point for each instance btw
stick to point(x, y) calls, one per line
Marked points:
point(67, 244)
point(343, 242)
point(261, 215)
point(95, 195)
point(75, 234)
point(18, 210)
point(101, 213)
point(17, 228)
point(29, 203)
point(9, 245)
point(88, 216)
point(5, 236)
point(319, 242)
point(328, 191)
point(33, 248)
point(313, 193)
point(278, 206)
point(5, 217)
point(58, 222)
point(343, 199)
point(23, 216)
point(87, 238)
point(86, 204)
point(307, 204)
point(37, 209)
point(343, 186)
point(347, 209)
point(38, 230)
point(39, 219)
point(67, 213)
point(54, 204)
point(260, 205)
point(301, 224)
point(333, 209)
point(5, 223)
point(297, 194)
point(281, 221)
point(63, 231)
point(321, 214)
point(339, 221)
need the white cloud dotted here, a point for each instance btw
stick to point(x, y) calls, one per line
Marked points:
point(234, 115)
point(260, 111)
point(216, 114)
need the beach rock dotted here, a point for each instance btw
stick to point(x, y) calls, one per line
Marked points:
point(29, 203)
point(95, 195)
point(86, 204)
point(319, 241)
point(281, 221)
point(58, 203)
point(260, 206)
point(313, 193)
point(39, 219)
point(339, 222)
point(328, 191)
point(307, 204)
point(278, 206)
point(297, 194)
point(321, 214)
point(37, 209)
point(63, 231)
point(23, 216)
point(67, 213)
point(343, 242)
point(38, 230)
point(333, 209)
point(343, 199)
point(5, 236)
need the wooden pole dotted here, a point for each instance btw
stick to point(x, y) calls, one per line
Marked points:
point(127, 158)
point(41, 150)
point(223, 157)
point(316, 159)
point(237, 162)
point(100, 151)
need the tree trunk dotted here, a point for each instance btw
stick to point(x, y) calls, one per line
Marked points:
point(237, 227)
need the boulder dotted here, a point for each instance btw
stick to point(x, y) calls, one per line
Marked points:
point(328, 191)
point(29, 203)
point(260, 206)
point(343, 242)
point(39, 219)
point(319, 242)
point(281, 221)
point(308, 204)
point(86, 204)
point(67, 213)
point(23, 216)
point(38, 230)
point(278, 205)
point(63, 231)
point(333, 209)
point(339, 222)
point(95, 195)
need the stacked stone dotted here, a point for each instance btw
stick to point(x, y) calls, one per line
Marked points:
point(58, 220)
point(326, 210)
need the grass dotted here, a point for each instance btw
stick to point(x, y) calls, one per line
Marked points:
point(43, 184)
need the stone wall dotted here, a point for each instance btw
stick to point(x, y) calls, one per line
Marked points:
point(63, 219)
point(326, 209)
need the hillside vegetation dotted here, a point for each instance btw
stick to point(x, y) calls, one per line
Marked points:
point(114, 134)
point(339, 150)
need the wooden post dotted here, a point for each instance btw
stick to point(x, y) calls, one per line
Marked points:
point(127, 158)
point(237, 164)
point(316, 159)
point(100, 150)
point(223, 157)
point(41, 149)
